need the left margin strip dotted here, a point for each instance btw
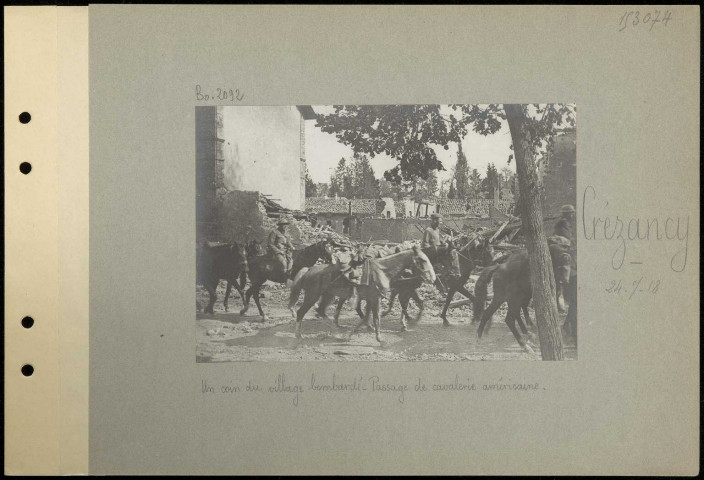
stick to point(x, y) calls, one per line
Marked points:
point(46, 240)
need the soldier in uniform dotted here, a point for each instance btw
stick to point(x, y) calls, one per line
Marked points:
point(280, 246)
point(564, 225)
point(564, 228)
point(431, 236)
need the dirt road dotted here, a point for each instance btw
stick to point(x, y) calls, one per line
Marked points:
point(228, 336)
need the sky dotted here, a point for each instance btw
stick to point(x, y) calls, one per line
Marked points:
point(323, 151)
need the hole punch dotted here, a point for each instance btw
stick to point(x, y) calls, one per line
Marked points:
point(27, 322)
point(25, 117)
point(25, 167)
point(27, 370)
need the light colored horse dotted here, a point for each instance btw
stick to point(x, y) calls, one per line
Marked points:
point(326, 283)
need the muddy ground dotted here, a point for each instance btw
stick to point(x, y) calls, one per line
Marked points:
point(229, 336)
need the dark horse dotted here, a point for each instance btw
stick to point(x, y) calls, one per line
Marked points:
point(264, 267)
point(476, 252)
point(327, 283)
point(221, 262)
point(511, 281)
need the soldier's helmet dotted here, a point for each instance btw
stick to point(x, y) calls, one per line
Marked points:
point(567, 209)
point(435, 215)
point(283, 221)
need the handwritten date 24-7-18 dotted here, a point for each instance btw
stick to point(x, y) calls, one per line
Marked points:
point(223, 94)
point(636, 18)
point(630, 288)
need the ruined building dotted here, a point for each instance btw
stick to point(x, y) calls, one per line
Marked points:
point(247, 149)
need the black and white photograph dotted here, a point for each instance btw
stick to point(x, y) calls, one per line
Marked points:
point(385, 232)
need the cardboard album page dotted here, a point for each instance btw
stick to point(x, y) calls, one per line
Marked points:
point(352, 240)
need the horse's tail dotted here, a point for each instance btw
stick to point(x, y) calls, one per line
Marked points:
point(481, 292)
point(296, 288)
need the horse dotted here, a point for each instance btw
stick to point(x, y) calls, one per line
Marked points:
point(265, 267)
point(475, 252)
point(511, 281)
point(217, 262)
point(406, 287)
point(344, 292)
point(325, 284)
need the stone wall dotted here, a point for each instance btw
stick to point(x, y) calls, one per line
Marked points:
point(242, 218)
point(209, 171)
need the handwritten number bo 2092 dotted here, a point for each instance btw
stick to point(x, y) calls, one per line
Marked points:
point(634, 19)
point(227, 94)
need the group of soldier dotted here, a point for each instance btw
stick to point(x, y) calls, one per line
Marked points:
point(280, 248)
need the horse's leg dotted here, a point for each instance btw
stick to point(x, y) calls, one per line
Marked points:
point(519, 320)
point(358, 307)
point(255, 293)
point(227, 294)
point(463, 290)
point(559, 297)
point(529, 322)
point(486, 316)
point(240, 290)
point(421, 305)
point(212, 291)
point(247, 296)
point(511, 322)
point(405, 298)
point(448, 300)
point(364, 316)
point(323, 305)
point(439, 285)
point(377, 321)
point(309, 300)
point(338, 309)
point(394, 294)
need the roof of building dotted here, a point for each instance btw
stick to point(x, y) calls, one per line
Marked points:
point(364, 206)
point(306, 112)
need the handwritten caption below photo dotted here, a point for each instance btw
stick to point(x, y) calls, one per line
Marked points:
point(361, 384)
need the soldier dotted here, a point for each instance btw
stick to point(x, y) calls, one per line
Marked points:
point(564, 225)
point(280, 247)
point(431, 236)
point(564, 229)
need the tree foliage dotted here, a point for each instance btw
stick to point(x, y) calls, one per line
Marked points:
point(311, 187)
point(491, 181)
point(404, 132)
point(354, 178)
point(408, 132)
point(461, 175)
point(475, 183)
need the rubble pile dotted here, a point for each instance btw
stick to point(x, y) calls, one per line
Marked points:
point(300, 230)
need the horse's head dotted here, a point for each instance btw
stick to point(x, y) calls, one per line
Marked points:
point(422, 265)
point(254, 248)
point(561, 263)
point(482, 252)
point(238, 251)
point(325, 249)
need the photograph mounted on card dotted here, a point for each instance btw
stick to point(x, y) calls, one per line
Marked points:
point(356, 206)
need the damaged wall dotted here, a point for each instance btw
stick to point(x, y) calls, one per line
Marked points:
point(262, 148)
point(242, 218)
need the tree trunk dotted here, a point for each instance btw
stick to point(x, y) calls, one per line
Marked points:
point(541, 273)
